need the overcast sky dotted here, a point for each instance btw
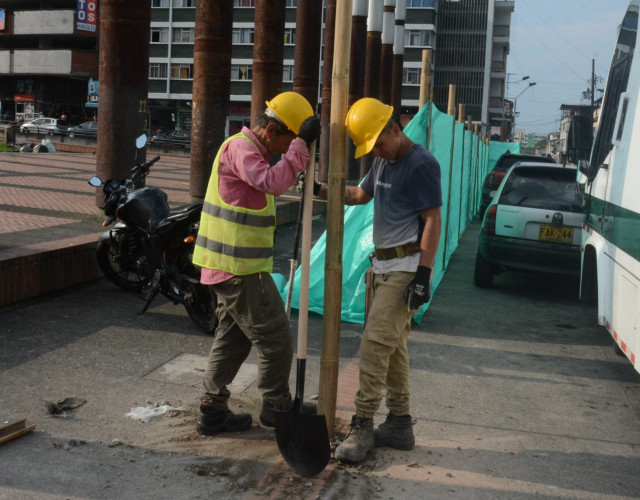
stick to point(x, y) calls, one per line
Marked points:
point(553, 42)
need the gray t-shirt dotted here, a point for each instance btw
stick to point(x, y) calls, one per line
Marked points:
point(400, 190)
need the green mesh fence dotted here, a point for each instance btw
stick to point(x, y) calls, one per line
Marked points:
point(464, 161)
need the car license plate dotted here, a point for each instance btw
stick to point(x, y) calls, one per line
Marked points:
point(558, 234)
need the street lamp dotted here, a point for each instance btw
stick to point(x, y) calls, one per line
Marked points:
point(508, 117)
point(515, 103)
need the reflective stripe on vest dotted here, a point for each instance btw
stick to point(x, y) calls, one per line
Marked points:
point(237, 240)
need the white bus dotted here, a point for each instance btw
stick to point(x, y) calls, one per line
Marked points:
point(610, 273)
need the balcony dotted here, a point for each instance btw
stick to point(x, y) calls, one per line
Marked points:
point(44, 22)
point(506, 4)
point(49, 62)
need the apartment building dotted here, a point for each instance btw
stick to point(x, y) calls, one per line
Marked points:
point(48, 56)
point(171, 58)
point(471, 53)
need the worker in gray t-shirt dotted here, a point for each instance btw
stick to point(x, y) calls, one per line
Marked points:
point(404, 182)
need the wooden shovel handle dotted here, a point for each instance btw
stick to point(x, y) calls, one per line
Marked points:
point(307, 216)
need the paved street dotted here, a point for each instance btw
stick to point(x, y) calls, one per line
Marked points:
point(516, 392)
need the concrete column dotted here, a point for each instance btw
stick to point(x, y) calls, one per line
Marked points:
point(374, 47)
point(388, 35)
point(327, 77)
point(268, 51)
point(211, 89)
point(488, 56)
point(124, 65)
point(357, 68)
point(307, 49)
point(398, 57)
point(373, 65)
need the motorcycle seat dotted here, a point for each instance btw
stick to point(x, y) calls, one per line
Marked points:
point(184, 209)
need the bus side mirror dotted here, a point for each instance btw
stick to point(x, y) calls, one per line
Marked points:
point(587, 169)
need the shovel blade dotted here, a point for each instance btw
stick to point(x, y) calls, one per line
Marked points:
point(303, 440)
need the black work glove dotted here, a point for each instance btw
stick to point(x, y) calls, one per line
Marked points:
point(418, 292)
point(310, 129)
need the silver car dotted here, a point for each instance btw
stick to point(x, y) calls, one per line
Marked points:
point(85, 129)
point(44, 126)
point(532, 224)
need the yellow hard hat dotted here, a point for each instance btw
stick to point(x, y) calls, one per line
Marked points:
point(291, 109)
point(365, 120)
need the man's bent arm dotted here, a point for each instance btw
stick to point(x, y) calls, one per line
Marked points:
point(430, 236)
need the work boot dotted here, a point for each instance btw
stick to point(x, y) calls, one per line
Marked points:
point(395, 432)
point(214, 421)
point(266, 415)
point(359, 441)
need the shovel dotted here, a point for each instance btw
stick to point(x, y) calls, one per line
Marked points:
point(294, 258)
point(303, 439)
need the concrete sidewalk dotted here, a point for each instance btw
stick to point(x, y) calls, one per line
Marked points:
point(49, 224)
point(516, 392)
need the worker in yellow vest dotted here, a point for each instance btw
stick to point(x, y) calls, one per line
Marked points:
point(234, 248)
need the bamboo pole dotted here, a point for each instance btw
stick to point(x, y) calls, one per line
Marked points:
point(476, 132)
point(451, 112)
point(430, 119)
point(328, 389)
point(471, 137)
point(425, 77)
point(461, 120)
point(471, 169)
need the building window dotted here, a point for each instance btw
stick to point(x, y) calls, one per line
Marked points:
point(292, 3)
point(417, 38)
point(289, 36)
point(157, 70)
point(159, 3)
point(421, 3)
point(182, 71)
point(242, 35)
point(241, 72)
point(159, 35)
point(411, 76)
point(184, 3)
point(244, 3)
point(287, 73)
point(184, 35)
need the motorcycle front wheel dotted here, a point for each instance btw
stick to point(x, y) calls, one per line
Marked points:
point(201, 307)
point(201, 310)
point(118, 265)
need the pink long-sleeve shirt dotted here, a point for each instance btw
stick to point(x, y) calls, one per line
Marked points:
point(245, 176)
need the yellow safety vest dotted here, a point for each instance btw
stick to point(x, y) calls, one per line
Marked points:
point(234, 239)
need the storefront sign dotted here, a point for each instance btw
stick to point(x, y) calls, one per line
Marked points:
point(24, 97)
point(92, 94)
point(87, 15)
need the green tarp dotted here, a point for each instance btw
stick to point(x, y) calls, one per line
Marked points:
point(464, 161)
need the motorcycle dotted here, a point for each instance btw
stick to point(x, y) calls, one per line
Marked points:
point(150, 248)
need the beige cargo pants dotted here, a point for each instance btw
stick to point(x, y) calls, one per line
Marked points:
point(384, 357)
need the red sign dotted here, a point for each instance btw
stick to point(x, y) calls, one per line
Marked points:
point(24, 97)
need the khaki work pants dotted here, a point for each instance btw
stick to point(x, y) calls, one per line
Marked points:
point(250, 312)
point(384, 357)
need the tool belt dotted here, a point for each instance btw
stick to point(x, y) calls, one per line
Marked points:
point(398, 252)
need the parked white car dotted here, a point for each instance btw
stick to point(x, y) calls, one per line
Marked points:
point(44, 126)
point(534, 223)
